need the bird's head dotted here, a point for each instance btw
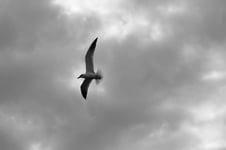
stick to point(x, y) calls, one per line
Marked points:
point(81, 76)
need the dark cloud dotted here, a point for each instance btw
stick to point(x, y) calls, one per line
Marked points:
point(150, 87)
point(9, 142)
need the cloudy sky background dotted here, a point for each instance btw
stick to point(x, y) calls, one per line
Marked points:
point(164, 75)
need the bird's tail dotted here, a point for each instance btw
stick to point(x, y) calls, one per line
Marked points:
point(99, 73)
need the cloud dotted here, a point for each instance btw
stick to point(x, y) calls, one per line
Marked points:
point(157, 58)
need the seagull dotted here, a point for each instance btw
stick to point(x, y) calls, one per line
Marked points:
point(90, 74)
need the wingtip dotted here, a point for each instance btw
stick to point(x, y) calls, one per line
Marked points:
point(94, 42)
point(84, 96)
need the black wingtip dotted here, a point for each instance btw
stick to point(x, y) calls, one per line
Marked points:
point(84, 95)
point(93, 44)
point(96, 39)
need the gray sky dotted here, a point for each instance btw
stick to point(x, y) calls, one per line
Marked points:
point(164, 75)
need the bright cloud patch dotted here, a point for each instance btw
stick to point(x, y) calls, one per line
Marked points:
point(117, 22)
point(86, 6)
point(209, 126)
point(173, 9)
point(214, 76)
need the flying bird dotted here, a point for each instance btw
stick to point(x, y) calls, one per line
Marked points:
point(90, 74)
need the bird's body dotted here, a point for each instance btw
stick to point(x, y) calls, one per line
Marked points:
point(90, 74)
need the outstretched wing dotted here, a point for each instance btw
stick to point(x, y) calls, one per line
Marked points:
point(84, 87)
point(89, 57)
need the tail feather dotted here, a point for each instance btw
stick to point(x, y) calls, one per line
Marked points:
point(99, 73)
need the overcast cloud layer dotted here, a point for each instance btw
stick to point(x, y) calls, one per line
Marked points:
point(164, 75)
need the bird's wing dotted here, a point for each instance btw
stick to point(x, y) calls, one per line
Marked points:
point(89, 57)
point(84, 87)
